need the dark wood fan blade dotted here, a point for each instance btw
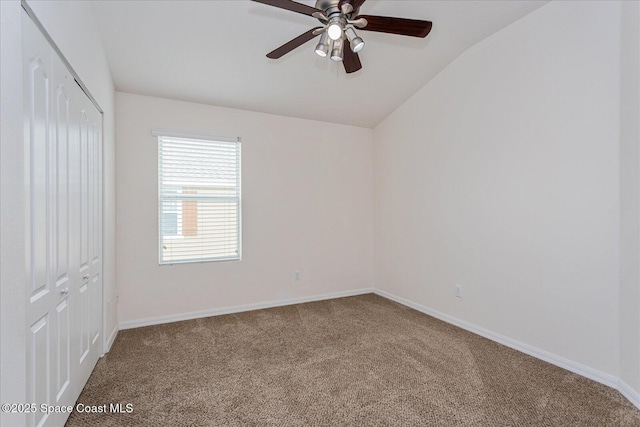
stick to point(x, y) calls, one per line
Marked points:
point(290, 45)
point(291, 5)
point(401, 26)
point(354, 3)
point(350, 60)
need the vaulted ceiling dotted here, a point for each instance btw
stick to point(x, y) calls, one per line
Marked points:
point(213, 52)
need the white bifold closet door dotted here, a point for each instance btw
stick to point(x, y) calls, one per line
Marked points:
point(63, 185)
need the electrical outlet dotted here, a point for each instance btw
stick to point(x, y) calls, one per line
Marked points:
point(458, 291)
point(296, 275)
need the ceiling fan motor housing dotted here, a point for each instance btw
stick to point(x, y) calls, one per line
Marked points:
point(331, 7)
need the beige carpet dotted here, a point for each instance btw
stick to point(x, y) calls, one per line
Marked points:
point(357, 361)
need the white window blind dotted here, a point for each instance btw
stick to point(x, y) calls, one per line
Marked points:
point(199, 205)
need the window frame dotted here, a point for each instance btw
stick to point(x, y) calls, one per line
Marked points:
point(159, 134)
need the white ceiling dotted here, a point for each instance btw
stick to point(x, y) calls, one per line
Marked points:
point(213, 52)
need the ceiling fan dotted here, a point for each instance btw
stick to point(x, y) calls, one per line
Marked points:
point(339, 19)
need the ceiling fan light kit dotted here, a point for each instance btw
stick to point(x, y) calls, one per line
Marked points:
point(334, 29)
point(355, 41)
point(322, 48)
point(337, 51)
point(339, 18)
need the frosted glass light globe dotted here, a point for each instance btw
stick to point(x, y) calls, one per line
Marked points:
point(334, 31)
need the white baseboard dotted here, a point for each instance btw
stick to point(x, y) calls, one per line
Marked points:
point(237, 309)
point(554, 359)
point(572, 366)
point(111, 339)
point(632, 395)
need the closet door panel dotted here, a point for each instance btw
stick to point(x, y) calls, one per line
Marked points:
point(40, 188)
point(60, 259)
point(63, 190)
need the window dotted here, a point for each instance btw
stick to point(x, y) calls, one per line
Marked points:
point(199, 205)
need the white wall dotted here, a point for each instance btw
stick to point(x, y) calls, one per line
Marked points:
point(71, 26)
point(12, 246)
point(630, 197)
point(307, 200)
point(502, 175)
